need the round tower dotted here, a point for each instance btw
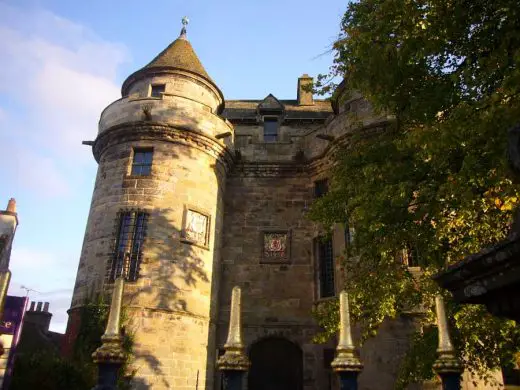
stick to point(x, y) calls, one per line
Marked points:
point(156, 216)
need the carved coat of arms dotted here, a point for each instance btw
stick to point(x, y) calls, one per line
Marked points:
point(196, 227)
point(275, 245)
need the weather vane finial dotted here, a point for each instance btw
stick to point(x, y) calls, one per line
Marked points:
point(185, 22)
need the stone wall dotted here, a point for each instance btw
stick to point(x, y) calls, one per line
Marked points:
point(250, 190)
point(171, 303)
point(277, 295)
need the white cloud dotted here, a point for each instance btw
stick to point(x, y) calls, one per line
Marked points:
point(33, 171)
point(57, 76)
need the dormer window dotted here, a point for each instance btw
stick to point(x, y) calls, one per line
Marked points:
point(157, 90)
point(270, 129)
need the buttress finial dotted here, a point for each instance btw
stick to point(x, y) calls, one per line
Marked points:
point(346, 359)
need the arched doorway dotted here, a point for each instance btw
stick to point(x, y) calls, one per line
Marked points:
point(276, 364)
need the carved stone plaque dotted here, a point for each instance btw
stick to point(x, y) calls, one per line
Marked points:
point(276, 247)
point(196, 227)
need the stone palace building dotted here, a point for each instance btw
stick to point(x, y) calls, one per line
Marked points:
point(196, 194)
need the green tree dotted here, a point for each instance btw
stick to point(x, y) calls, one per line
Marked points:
point(436, 178)
point(47, 370)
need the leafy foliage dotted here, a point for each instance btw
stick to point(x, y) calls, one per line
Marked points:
point(436, 178)
point(47, 370)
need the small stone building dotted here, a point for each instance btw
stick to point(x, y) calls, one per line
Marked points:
point(196, 194)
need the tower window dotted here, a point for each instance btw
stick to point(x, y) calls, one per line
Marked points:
point(157, 90)
point(131, 227)
point(270, 129)
point(326, 268)
point(321, 187)
point(409, 256)
point(142, 163)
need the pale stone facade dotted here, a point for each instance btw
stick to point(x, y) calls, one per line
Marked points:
point(8, 225)
point(225, 205)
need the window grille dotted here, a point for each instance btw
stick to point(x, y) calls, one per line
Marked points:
point(326, 264)
point(127, 254)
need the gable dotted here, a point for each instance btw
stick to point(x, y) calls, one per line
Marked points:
point(270, 103)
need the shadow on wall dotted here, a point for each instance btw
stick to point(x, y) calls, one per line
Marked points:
point(169, 270)
point(140, 384)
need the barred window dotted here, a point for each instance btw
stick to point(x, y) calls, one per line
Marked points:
point(142, 162)
point(326, 268)
point(131, 227)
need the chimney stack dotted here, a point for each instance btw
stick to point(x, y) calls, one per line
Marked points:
point(38, 316)
point(304, 96)
point(11, 205)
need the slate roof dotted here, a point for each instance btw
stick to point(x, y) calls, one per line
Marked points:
point(247, 109)
point(180, 55)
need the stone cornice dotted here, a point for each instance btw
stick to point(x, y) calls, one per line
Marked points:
point(310, 167)
point(154, 131)
point(266, 169)
point(180, 73)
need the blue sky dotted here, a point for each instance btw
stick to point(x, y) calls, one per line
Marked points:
point(64, 61)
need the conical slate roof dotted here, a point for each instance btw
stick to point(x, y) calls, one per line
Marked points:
point(180, 55)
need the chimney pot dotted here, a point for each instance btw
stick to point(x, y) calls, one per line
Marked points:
point(46, 307)
point(11, 205)
point(32, 306)
point(39, 306)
